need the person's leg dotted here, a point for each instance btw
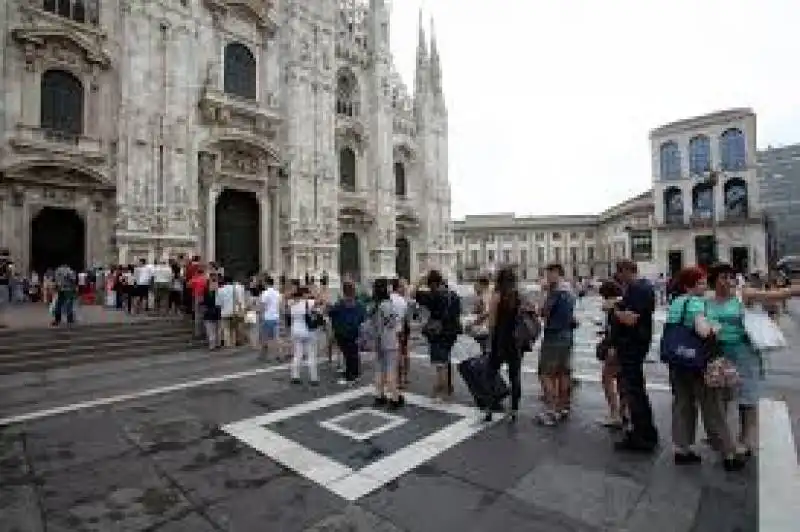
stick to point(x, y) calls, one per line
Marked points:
point(684, 415)
point(69, 307)
point(643, 434)
point(390, 375)
point(312, 352)
point(297, 358)
point(515, 376)
point(380, 377)
point(714, 411)
point(57, 308)
point(609, 380)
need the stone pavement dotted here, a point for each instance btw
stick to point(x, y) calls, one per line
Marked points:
point(239, 455)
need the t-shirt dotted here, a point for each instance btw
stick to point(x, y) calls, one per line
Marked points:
point(198, 286)
point(400, 304)
point(65, 278)
point(639, 298)
point(729, 315)
point(143, 274)
point(162, 274)
point(387, 325)
point(694, 306)
point(298, 310)
point(270, 301)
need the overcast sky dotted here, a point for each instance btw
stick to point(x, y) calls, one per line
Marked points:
point(551, 101)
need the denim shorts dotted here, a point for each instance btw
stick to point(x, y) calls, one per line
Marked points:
point(269, 329)
point(386, 359)
point(440, 353)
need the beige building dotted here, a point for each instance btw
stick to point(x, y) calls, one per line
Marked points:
point(267, 135)
point(704, 206)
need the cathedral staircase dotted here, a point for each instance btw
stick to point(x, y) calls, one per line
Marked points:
point(40, 348)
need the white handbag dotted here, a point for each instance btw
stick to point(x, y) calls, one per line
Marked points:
point(762, 331)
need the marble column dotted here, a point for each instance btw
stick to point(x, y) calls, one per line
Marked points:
point(213, 193)
point(275, 227)
point(265, 239)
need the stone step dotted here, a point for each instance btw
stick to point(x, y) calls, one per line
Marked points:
point(90, 329)
point(43, 363)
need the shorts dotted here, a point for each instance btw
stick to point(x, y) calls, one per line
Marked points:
point(141, 290)
point(555, 357)
point(440, 353)
point(386, 359)
point(269, 329)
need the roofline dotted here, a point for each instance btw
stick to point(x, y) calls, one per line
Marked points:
point(700, 121)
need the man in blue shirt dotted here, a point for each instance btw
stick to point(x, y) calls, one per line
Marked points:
point(634, 317)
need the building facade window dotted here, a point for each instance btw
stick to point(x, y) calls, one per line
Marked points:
point(699, 155)
point(347, 93)
point(347, 169)
point(573, 236)
point(703, 201)
point(573, 255)
point(673, 205)
point(62, 103)
point(506, 256)
point(589, 235)
point(400, 180)
point(735, 192)
point(473, 257)
point(240, 71)
point(83, 11)
point(556, 236)
point(557, 254)
point(670, 160)
point(539, 237)
point(490, 255)
point(523, 257)
point(590, 253)
point(641, 245)
point(732, 150)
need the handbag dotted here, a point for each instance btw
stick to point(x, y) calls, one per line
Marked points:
point(762, 331)
point(314, 319)
point(721, 373)
point(681, 346)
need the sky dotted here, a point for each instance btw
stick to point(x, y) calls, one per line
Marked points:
point(551, 101)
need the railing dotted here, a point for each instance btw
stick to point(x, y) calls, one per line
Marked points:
point(57, 140)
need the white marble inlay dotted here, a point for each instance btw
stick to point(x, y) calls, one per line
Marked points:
point(349, 483)
point(335, 424)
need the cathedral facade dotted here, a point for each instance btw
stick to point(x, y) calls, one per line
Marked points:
point(268, 135)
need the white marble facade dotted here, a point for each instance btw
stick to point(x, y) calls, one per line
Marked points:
point(268, 131)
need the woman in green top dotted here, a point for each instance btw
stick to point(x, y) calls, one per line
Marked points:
point(726, 310)
point(689, 390)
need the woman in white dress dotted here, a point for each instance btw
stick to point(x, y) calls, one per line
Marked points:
point(301, 305)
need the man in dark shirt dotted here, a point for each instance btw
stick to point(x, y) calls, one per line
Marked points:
point(634, 316)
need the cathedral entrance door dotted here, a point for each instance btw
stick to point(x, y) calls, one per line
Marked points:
point(403, 259)
point(349, 257)
point(237, 233)
point(58, 236)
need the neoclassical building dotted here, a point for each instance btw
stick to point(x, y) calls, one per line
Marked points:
point(265, 134)
point(704, 206)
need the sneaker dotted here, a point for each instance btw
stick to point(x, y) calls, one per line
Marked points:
point(548, 419)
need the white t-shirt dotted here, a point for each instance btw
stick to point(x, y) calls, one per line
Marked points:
point(298, 310)
point(162, 274)
point(143, 274)
point(400, 305)
point(270, 302)
point(82, 279)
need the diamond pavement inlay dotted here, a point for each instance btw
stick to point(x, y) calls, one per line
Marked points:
point(361, 424)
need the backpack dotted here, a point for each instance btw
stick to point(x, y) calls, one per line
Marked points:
point(314, 319)
point(437, 327)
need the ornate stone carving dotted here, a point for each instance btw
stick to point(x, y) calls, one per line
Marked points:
point(241, 163)
point(207, 165)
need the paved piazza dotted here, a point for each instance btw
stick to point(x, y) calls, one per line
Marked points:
point(202, 442)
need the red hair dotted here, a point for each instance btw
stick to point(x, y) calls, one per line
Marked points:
point(688, 278)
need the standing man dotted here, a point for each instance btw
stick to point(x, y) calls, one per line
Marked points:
point(634, 316)
point(66, 287)
point(143, 277)
point(271, 307)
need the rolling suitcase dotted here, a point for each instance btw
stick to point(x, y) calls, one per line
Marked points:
point(475, 372)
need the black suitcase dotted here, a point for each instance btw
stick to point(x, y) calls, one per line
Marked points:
point(475, 372)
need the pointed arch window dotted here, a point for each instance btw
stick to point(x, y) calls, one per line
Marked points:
point(670, 156)
point(61, 109)
point(240, 71)
point(347, 169)
point(400, 188)
point(347, 94)
point(732, 150)
point(699, 155)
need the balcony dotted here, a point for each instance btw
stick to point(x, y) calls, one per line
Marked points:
point(252, 117)
point(38, 141)
point(356, 205)
point(703, 219)
point(674, 220)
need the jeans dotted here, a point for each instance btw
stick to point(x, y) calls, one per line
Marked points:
point(305, 347)
point(634, 393)
point(65, 304)
point(212, 333)
point(352, 360)
point(514, 362)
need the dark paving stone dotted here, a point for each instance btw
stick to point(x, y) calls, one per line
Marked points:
point(153, 430)
point(670, 503)
point(720, 512)
point(191, 522)
point(353, 519)
point(510, 515)
point(596, 498)
point(20, 510)
point(220, 404)
point(72, 440)
point(214, 449)
point(120, 494)
point(425, 500)
point(228, 478)
point(13, 462)
point(306, 430)
point(287, 504)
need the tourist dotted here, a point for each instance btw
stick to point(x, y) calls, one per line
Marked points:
point(634, 317)
point(197, 289)
point(162, 286)
point(347, 315)
point(66, 292)
point(611, 292)
point(387, 327)
point(211, 313)
point(5, 280)
point(270, 300)
point(174, 304)
point(402, 308)
point(441, 329)
point(301, 305)
point(504, 307)
point(689, 389)
point(555, 359)
point(226, 301)
point(143, 279)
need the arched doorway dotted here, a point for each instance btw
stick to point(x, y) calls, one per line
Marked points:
point(349, 257)
point(402, 263)
point(58, 236)
point(237, 233)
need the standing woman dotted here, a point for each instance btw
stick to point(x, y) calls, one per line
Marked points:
point(301, 305)
point(611, 292)
point(727, 310)
point(387, 327)
point(503, 309)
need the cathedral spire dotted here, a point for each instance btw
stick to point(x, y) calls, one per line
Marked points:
point(421, 75)
point(436, 66)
